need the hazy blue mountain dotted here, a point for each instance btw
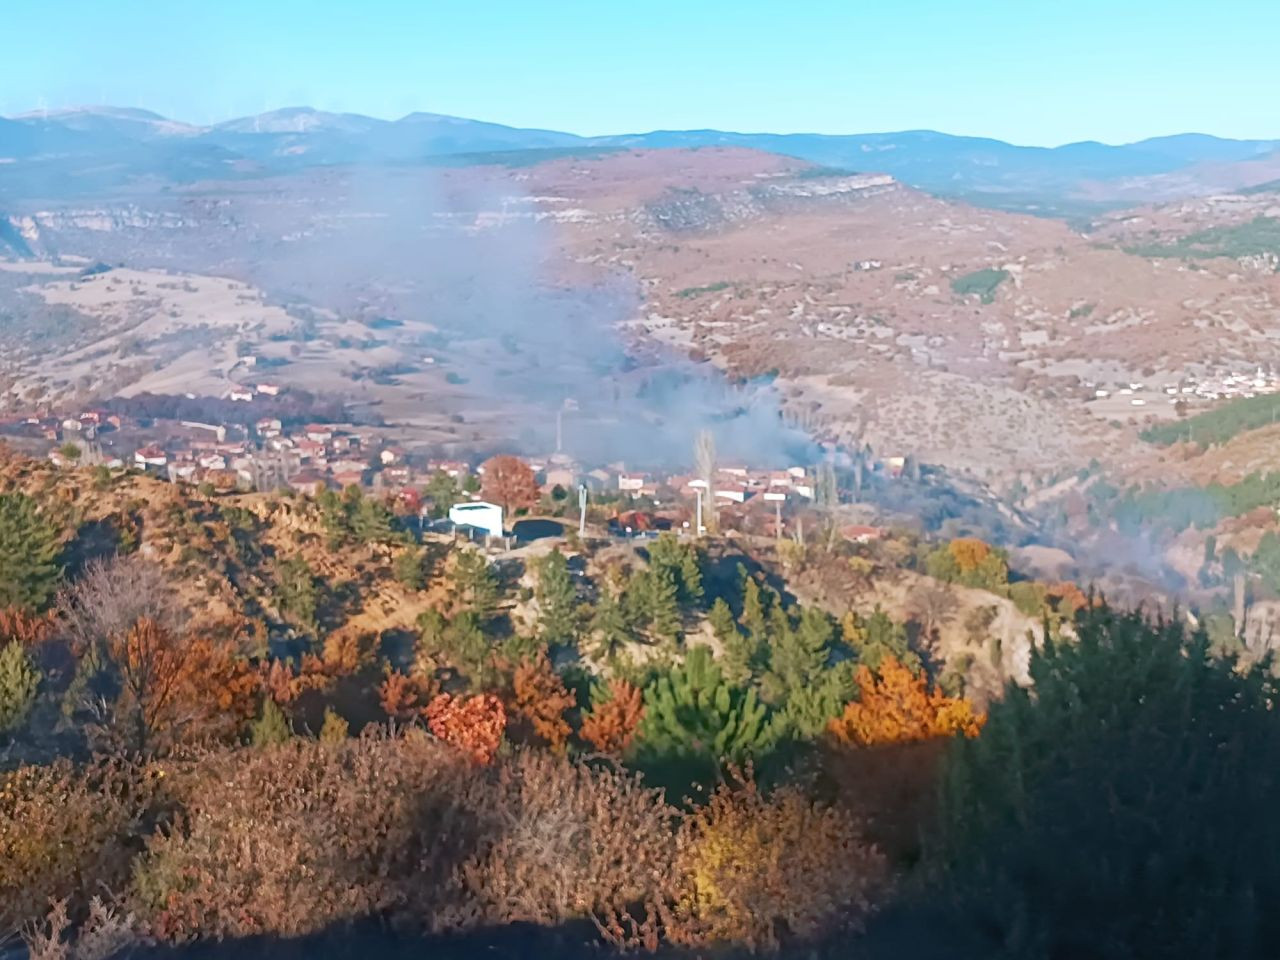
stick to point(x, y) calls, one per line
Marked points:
point(301, 120)
point(1202, 148)
point(125, 123)
point(89, 148)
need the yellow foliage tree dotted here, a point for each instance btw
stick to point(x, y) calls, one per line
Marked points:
point(749, 866)
point(896, 706)
point(969, 553)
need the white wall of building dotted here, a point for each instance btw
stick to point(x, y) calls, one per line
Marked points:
point(481, 515)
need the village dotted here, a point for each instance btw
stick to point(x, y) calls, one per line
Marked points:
point(271, 454)
point(1173, 398)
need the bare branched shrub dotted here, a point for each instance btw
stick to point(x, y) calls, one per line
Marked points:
point(295, 838)
point(111, 596)
point(103, 935)
point(566, 840)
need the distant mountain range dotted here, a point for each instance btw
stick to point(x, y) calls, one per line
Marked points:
point(76, 152)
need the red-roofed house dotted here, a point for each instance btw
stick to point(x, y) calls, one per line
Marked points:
point(151, 456)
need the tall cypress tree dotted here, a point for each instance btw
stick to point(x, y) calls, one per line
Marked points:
point(754, 607)
point(664, 605)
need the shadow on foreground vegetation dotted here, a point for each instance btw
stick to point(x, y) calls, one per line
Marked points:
point(1124, 807)
point(491, 783)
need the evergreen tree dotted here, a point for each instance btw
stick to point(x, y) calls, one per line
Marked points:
point(693, 714)
point(741, 653)
point(29, 549)
point(878, 636)
point(299, 598)
point(798, 655)
point(459, 641)
point(475, 589)
point(610, 627)
point(1134, 783)
point(409, 568)
point(664, 605)
point(754, 607)
point(669, 553)
point(442, 490)
point(333, 515)
point(371, 521)
point(557, 597)
point(809, 709)
point(19, 683)
point(271, 727)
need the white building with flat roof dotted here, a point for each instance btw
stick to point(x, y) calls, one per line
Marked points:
point(478, 514)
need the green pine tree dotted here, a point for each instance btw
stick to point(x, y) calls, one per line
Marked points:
point(29, 548)
point(299, 597)
point(798, 655)
point(682, 560)
point(693, 714)
point(474, 585)
point(610, 627)
point(755, 606)
point(877, 637)
point(371, 521)
point(19, 684)
point(558, 618)
point(1134, 783)
point(409, 568)
point(664, 606)
point(271, 727)
point(740, 653)
point(442, 490)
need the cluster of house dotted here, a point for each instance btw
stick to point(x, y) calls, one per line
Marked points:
point(731, 484)
point(247, 392)
point(82, 425)
point(1230, 386)
point(309, 459)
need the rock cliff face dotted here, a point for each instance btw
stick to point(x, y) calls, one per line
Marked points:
point(106, 230)
point(681, 210)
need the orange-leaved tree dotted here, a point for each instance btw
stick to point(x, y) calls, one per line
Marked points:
point(897, 706)
point(284, 683)
point(28, 629)
point(347, 650)
point(474, 724)
point(541, 700)
point(611, 724)
point(403, 697)
point(510, 483)
point(174, 687)
point(1068, 597)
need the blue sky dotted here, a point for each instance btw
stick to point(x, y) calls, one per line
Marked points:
point(1029, 71)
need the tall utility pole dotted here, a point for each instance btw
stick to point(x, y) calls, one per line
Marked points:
point(704, 458)
point(582, 510)
point(697, 528)
point(777, 520)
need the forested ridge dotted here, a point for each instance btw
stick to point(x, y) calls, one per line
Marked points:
point(253, 720)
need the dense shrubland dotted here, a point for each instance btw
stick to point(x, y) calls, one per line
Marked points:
point(672, 752)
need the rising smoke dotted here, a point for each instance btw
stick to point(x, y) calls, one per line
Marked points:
point(464, 263)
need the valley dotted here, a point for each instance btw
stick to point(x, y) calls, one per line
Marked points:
point(465, 304)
